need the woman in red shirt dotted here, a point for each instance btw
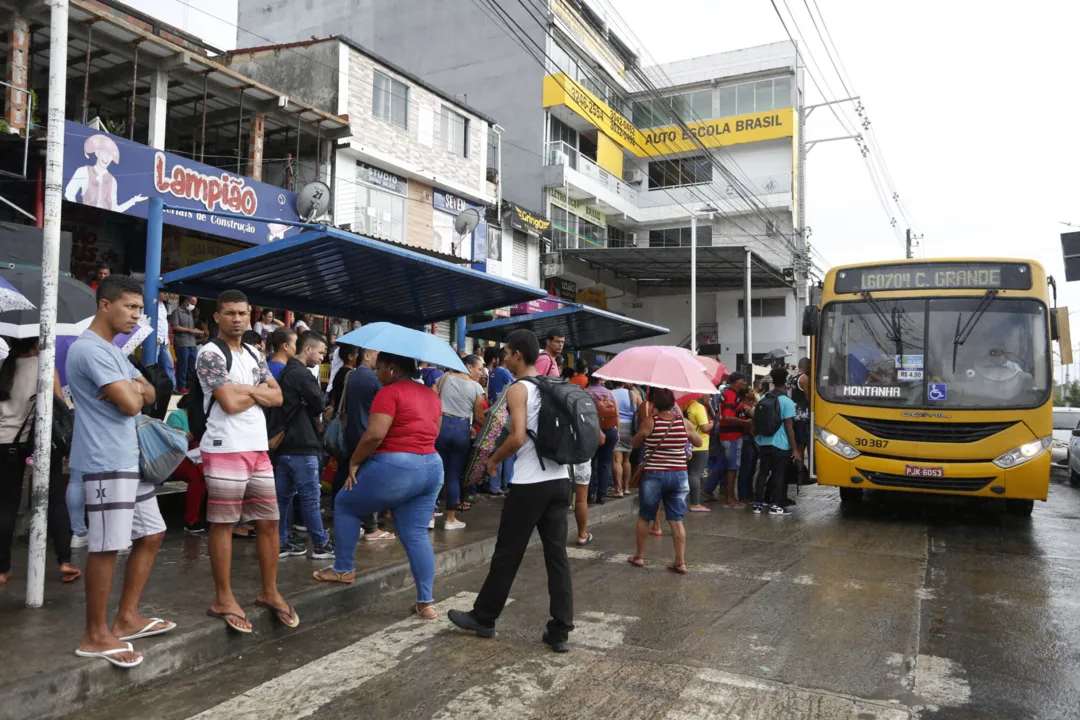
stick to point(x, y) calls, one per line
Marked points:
point(395, 467)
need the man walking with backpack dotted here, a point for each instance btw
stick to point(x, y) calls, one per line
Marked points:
point(540, 493)
point(235, 386)
point(774, 435)
point(296, 466)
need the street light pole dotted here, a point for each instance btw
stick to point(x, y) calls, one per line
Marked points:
point(693, 284)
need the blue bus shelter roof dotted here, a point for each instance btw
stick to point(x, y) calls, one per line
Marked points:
point(585, 327)
point(337, 273)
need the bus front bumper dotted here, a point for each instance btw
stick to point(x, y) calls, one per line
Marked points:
point(1029, 481)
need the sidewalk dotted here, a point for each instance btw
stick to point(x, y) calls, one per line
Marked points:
point(43, 677)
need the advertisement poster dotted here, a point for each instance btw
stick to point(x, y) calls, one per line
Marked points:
point(111, 173)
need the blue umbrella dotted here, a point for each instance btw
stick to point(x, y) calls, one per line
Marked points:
point(12, 299)
point(391, 338)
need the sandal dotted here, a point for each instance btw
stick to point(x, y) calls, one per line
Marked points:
point(426, 610)
point(637, 561)
point(379, 535)
point(346, 577)
point(281, 614)
point(680, 568)
point(229, 623)
point(71, 575)
point(656, 533)
point(588, 539)
point(464, 506)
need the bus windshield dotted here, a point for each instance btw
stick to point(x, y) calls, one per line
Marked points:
point(982, 352)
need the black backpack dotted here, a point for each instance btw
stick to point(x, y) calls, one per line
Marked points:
point(767, 420)
point(568, 426)
point(196, 415)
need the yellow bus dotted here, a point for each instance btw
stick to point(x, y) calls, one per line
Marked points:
point(934, 376)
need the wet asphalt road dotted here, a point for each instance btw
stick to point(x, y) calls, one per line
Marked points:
point(896, 609)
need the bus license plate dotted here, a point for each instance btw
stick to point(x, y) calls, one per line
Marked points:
point(926, 472)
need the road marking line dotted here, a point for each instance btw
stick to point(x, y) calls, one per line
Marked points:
point(301, 692)
point(702, 568)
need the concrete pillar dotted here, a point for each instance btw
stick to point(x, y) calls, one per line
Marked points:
point(159, 97)
point(16, 103)
point(255, 147)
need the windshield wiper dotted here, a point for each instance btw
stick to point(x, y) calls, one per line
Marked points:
point(962, 334)
point(892, 326)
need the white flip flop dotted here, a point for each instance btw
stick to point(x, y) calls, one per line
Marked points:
point(148, 632)
point(108, 655)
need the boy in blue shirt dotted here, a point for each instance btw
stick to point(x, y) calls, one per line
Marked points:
point(776, 451)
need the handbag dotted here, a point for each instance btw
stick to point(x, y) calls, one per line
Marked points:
point(640, 472)
point(63, 427)
point(334, 435)
point(161, 449)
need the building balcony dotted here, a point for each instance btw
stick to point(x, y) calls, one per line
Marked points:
point(662, 205)
point(589, 183)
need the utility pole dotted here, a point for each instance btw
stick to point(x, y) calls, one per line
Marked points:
point(909, 254)
point(693, 283)
point(50, 274)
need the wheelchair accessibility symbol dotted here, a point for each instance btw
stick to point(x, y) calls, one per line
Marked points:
point(937, 391)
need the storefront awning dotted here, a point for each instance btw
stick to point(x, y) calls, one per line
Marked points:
point(585, 327)
point(341, 274)
point(721, 267)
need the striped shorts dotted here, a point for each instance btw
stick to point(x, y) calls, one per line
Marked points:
point(240, 487)
point(120, 508)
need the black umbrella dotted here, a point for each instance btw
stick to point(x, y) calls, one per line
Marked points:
point(776, 354)
point(75, 305)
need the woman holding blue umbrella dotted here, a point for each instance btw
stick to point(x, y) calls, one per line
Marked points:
point(395, 466)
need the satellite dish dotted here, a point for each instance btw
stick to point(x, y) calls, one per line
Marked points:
point(312, 201)
point(466, 221)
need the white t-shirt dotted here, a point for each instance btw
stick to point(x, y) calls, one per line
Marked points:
point(335, 365)
point(301, 326)
point(263, 330)
point(240, 432)
point(527, 468)
point(162, 324)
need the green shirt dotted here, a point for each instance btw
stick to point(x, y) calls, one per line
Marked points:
point(178, 419)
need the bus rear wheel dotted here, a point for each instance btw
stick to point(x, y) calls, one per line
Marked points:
point(851, 495)
point(1019, 508)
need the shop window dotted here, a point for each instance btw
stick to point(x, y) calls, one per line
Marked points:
point(390, 100)
point(380, 214)
point(765, 307)
point(680, 237)
point(695, 170)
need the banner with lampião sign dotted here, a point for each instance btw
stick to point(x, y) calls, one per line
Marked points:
point(108, 172)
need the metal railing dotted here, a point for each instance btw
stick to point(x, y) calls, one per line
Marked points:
point(560, 153)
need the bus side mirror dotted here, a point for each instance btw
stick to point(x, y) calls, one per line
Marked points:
point(1053, 325)
point(810, 316)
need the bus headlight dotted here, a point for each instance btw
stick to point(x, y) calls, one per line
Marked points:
point(1027, 451)
point(835, 443)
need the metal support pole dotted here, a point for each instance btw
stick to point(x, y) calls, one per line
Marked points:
point(155, 212)
point(134, 91)
point(202, 140)
point(50, 274)
point(461, 321)
point(240, 134)
point(693, 284)
point(86, 76)
point(748, 340)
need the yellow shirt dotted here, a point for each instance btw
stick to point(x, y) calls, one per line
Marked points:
point(695, 412)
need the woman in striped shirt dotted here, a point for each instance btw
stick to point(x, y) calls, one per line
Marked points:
point(664, 433)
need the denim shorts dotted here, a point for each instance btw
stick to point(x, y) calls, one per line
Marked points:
point(671, 486)
point(730, 455)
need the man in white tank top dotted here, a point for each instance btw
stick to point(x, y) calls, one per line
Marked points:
point(538, 498)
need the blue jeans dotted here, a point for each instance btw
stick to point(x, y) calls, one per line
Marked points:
point(728, 459)
point(164, 359)
point(671, 486)
point(75, 497)
point(746, 469)
point(503, 476)
point(406, 484)
point(453, 444)
point(185, 363)
point(299, 475)
point(601, 465)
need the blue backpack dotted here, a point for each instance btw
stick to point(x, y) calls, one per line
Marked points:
point(161, 448)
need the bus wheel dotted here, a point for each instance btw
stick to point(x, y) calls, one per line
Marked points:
point(1019, 508)
point(850, 495)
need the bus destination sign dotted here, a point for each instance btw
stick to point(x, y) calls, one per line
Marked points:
point(934, 276)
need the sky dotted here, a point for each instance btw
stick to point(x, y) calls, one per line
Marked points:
point(974, 109)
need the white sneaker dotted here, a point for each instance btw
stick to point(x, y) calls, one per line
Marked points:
point(455, 525)
point(79, 541)
point(431, 524)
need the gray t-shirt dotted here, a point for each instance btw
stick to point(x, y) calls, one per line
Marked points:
point(458, 395)
point(183, 317)
point(104, 438)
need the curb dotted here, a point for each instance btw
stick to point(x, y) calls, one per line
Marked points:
point(67, 690)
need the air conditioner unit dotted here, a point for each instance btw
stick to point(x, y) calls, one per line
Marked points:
point(634, 177)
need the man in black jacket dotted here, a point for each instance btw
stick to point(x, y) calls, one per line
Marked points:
point(296, 466)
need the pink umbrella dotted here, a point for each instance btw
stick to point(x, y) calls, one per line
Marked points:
point(662, 366)
point(713, 368)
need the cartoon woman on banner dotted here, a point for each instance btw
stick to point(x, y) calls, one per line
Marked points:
point(95, 182)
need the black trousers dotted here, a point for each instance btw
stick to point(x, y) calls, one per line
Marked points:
point(12, 472)
point(543, 506)
point(770, 485)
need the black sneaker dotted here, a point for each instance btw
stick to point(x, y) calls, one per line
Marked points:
point(197, 528)
point(758, 508)
point(778, 510)
point(292, 549)
point(466, 621)
point(324, 551)
point(559, 646)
